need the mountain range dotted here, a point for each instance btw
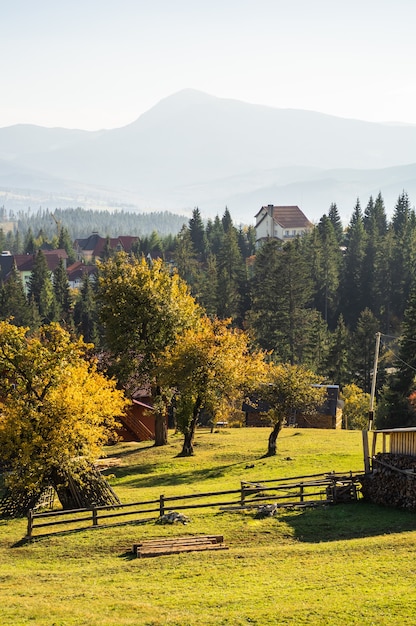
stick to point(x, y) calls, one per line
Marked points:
point(192, 149)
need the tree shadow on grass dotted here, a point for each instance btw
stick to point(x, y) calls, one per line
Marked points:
point(348, 521)
point(168, 479)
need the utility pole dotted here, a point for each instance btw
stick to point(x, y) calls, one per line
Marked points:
point(373, 383)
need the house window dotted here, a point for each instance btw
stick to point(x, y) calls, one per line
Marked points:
point(286, 233)
point(293, 233)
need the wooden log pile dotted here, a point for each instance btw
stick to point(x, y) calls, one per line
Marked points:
point(175, 545)
point(392, 481)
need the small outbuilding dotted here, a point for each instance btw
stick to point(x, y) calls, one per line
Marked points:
point(390, 473)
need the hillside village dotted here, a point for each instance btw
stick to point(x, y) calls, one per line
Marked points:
point(339, 297)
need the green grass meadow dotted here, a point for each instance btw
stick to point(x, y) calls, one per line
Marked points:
point(345, 564)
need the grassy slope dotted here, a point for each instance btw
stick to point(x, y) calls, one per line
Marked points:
point(349, 564)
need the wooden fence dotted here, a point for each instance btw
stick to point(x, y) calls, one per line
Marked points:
point(312, 490)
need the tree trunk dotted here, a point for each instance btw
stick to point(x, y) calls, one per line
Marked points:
point(188, 447)
point(271, 451)
point(161, 431)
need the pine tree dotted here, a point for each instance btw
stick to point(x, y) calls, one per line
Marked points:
point(65, 243)
point(13, 302)
point(327, 288)
point(395, 408)
point(215, 234)
point(186, 261)
point(40, 286)
point(29, 246)
point(336, 222)
point(281, 291)
point(208, 292)
point(85, 312)
point(353, 287)
point(373, 225)
point(61, 290)
point(338, 369)
point(197, 234)
point(404, 254)
point(230, 278)
point(362, 349)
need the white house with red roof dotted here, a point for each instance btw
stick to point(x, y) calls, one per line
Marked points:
point(281, 222)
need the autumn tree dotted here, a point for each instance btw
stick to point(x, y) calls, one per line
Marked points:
point(55, 408)
point(142, 307)
point(289, 388)
point(210, 368)
point(356, 407)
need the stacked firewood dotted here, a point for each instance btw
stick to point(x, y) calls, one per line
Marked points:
point(392, 481)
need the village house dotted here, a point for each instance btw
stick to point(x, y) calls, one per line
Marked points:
point(281, 222)
point(25, 262)
point(77, 271)
point(94, 246)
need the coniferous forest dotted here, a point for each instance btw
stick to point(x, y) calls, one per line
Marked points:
point(318, 300)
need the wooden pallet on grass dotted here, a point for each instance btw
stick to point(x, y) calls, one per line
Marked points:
point(175, 545)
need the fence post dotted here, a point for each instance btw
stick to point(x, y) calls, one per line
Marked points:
point(243, 495)
point(301, 492)
point(94, 517)
point(29, 524)
point(161, 505)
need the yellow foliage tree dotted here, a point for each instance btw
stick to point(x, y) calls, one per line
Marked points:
point(289, 388)
point(356, 407)
point(142, 307)
point(211, 369)
point(55, 406)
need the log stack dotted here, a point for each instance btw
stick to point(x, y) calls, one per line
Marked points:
point(392, 481)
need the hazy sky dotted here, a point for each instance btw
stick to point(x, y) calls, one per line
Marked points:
point(101, 63)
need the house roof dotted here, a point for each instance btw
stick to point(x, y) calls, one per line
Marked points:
point(78, 269)
point(290, 217)
point(95, 244)
point(25, 262)
point(287, 216)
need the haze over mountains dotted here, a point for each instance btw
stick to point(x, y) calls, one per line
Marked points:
point(192, 149)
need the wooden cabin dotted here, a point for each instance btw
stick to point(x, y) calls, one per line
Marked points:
point(329, 415)
point(138, 423)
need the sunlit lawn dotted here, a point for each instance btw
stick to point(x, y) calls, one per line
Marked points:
point(345, 564)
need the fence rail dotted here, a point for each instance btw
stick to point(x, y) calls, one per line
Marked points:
point(300, 490)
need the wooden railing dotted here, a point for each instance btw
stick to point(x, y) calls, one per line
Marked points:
point(309, 490)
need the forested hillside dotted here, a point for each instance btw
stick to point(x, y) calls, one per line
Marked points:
point(82, 222)
point(316, 301)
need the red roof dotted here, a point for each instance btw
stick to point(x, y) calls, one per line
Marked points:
point(287, 216)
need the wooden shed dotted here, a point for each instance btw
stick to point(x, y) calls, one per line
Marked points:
point(138, 423)
point(329, 415)
point(394, 441)
point(390, 467)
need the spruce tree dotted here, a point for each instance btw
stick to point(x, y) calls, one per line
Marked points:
point(362, 349)
point(85, 312)
point(336, 222)
point(61, 290)
point(197, 234)
point(40, 286)
point(338, 360)
point(230, 277)
point(65, 243)
point(395, 409)
point(353, 275)
point(14, 303)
